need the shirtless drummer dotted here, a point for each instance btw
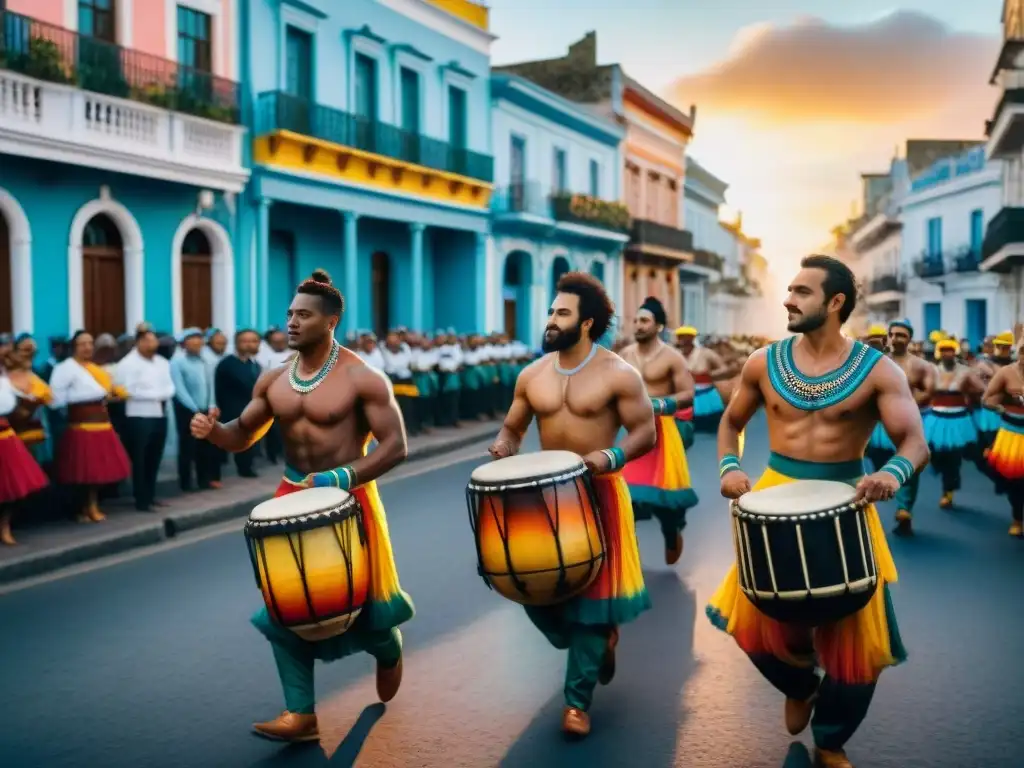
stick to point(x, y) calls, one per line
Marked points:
point(582, 395)
point(327, 402)
point(822, 394)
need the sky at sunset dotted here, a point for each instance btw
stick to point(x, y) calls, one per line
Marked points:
point(793, 103)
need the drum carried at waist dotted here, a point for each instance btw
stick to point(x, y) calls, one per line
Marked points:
point(311, 562)
point(804, 551)
point(537, 527)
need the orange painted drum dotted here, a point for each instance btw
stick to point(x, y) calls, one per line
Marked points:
point(310, 559)
point(536, 526)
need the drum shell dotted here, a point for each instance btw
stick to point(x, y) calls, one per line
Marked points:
point(539, 545)
point(826, 593)
point(314, 580)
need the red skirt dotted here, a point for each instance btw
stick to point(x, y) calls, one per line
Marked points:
point(20, 475)
point(91, 457)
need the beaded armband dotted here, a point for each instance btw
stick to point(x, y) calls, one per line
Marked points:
point(340, 477)
point(729, 463)
point(616, 458)
point(900, 468)
point(664, 406)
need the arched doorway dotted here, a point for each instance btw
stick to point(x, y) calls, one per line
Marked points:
point(6, 295)
point(196, 280)
point(103, 276)
point(380, 292)
point(516, 295)
point(558, 268)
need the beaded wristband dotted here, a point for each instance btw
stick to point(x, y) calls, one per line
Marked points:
point(900, 468)
point(729, 463)
point(341, 477)
point(664, 405)
point(616, 458)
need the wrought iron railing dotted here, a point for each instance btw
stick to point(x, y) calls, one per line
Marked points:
point(886, 283)
point(647, 232)
point(1006, 227)
point(708, 259)
point(522, 197)
point(591, 211)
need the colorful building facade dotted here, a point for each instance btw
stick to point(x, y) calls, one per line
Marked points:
point(371, 158)
point(556, 204)
point(121, 159)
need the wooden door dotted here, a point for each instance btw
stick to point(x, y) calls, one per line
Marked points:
point(510, 318)
point(196, 281)
point(103, 277)
point(6, 299)
point(381, 293)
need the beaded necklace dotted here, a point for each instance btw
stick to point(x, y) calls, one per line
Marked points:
point(812, 393)
point(305, 386)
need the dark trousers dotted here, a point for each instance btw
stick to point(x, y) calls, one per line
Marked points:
point(146, 437)
point(410, 414)
point(1015, 492)
point(200, 454)
point(244, 462)
point(947, 464)
point(448, 408)
point(426, 411)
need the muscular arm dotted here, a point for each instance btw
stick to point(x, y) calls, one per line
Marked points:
point(718, 369)
point(682, 382)
point(746, 399)
point(519, 415)
point(902, 421)
point(385, 420)
point(634, 410)
point(249, 428)
point(922, 393)
point(993, 397)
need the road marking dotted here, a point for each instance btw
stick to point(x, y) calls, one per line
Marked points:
point(414, 469)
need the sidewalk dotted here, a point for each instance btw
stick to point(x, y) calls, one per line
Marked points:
point(46, 548)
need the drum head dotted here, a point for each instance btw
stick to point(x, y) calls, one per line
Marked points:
point(300, 504)
point(799, 498)
point(526, 466)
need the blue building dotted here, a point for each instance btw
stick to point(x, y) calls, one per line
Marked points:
point(370, 157)
point(119, 167)
point(556, 208)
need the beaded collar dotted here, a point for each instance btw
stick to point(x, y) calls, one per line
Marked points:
point(812, 393)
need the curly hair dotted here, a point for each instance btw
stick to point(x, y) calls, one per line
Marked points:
point(319, 284)
point(594, 301)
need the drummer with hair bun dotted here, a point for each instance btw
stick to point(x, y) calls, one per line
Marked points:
point(822, 394)
point(582, 395)
point(328, 402)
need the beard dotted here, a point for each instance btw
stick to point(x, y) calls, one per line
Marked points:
point(560, 340)
point(948, 364)
point(642, 336)
point(808, 323)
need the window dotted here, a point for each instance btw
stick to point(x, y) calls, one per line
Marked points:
point(96, 19)
point(410, 90)
point(517, 173)
point(977, 233)
point(935, 238)
point(559, 183)
point(457, 125)
point(977, 319)
point(366, 88)
point(299, 63)
point(194, 40)
point(932, 317)
point(595, 179)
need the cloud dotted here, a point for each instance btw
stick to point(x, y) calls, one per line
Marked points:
point(904, 67)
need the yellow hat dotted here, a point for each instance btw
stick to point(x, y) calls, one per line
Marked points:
point(936, 336)
point(686, 330)
point(945, 344)
point(1004, 339)
point(877, 330)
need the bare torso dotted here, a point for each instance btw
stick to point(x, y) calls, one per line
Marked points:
point(655, 367)
point(916, 370)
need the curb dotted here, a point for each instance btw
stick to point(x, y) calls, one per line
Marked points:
point(147, 534)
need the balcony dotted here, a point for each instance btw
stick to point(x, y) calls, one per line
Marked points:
point(966, 261)
point(1006, 129)
point(69, 98)
point(708, 260)
point(1003, 248)
point(930, 265)
point(527, 205)
point(659, 243)
point(590, 211)
point(296, 134)
point(886, 289)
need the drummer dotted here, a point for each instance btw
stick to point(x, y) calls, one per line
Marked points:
point(328, 402)
point(1005, 393)
point(582, 395)
point(660, 480)
point(822, 394)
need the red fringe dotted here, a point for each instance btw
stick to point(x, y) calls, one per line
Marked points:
point(20, 475)
point(91, 457)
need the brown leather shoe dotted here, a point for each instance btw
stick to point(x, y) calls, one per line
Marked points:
point(827, 758)
point(575, 722)
point(673, 553)
point(798, 714)
point(290, 727)
point(389, 679)
point(607, 671)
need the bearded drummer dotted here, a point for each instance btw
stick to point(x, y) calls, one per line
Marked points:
point(822, 394)
point(328, 402)
point(582, 395)
point(660, 480)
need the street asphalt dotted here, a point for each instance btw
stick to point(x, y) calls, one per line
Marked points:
point(152, 661)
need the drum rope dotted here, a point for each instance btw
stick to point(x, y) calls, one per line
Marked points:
point(863, 551)
point(344, 539)
point(474, 512)
point(261, 545)
point(300, 564)
point(842, 552)
point(250, 544)
point(556, 527)
point(771, 560)
point(505, 539)
point(803, 557)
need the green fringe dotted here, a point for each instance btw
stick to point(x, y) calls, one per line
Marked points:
point(716, 618)
point(388, 614)
point(615, 611)
point(679, 499)
point(899, 651)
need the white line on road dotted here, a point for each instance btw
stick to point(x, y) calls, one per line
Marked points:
point(416, 468)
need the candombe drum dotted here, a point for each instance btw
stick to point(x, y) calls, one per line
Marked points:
point(311, 561)
point(536, 526)
point(804, 551)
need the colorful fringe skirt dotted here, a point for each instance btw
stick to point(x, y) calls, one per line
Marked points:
point(659, 481)
point(707, 407)
point(950, 429)
point(618, 595)
point(853, 650)
point(20, 475)
point(1006, 455)
point(387, 603)
point(986, 420)
point(684, 423)
point(879, 440)
point(90, 452)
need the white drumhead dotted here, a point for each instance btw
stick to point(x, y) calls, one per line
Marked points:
point(799, 498)
point(300, 503)
point(526, 466)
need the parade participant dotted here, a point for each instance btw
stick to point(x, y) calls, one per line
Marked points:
point(193, 393)
point(328, 402)
point(659, 481)
point(876, 337)
point(707, 367)
point(921, 377)
point(233, 383)
point(28, 420)
point(398, 358)
point(996, 354)
point(822, 394)
point(20, 475)
point(582, 395)
point(424, 373)
point(450, 360)
point(89, 454)
point(948, 426)
point(1005, 393)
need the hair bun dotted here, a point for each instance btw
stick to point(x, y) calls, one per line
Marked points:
point(320, 276)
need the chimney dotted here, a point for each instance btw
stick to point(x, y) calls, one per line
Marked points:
point(584, 52)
